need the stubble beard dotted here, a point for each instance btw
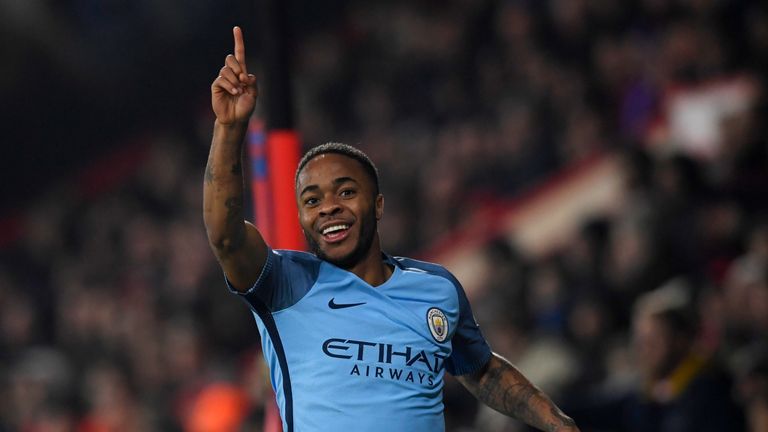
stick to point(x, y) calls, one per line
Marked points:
point(368, 228)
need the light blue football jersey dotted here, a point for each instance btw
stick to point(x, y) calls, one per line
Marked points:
point(347, 356)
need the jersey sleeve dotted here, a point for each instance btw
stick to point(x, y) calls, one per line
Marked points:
point(285, 278)
point(470, 349)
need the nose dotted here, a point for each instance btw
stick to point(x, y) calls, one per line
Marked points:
point(330, 208)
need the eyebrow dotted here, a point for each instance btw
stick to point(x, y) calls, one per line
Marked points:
point(337, 181)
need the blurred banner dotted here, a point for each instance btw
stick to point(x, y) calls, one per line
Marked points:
point(266, 189)
point(274, 156)
point(283, 157)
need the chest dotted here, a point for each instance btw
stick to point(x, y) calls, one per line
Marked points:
point(407, 322)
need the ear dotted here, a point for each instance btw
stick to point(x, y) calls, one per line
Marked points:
point(379, 206)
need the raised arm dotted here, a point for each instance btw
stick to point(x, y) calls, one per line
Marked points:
point(502, 387)
point(237, 244)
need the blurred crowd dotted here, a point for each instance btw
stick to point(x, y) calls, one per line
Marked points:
point(653, 317)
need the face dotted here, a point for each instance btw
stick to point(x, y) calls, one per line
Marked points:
point(338, 211)
point(658, 350)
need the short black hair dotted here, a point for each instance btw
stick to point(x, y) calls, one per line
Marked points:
point(342, 149)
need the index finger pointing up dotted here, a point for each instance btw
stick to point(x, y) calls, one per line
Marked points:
point(239, 47)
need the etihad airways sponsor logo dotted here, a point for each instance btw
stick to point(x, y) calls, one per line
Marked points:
point(395, 374)
point(382, 353)
point(394, 357)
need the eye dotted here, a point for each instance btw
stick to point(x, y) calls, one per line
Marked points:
point(311, 202)
point(347, 193)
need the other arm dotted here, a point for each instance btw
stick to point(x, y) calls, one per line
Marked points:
point(502, 387)
point(237, 244)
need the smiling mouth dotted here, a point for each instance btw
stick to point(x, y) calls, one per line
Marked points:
point(335, 233)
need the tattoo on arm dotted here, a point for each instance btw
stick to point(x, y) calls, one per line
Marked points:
point(209, 172)
point(502, 387)
point(209, 166)
point(234, 206)
point(237, 168)
point(513, 398)
point(234, 224)
point(562, 420)
point(234, 210)
point(223, 196)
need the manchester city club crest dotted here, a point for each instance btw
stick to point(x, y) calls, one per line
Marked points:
point(438, 324)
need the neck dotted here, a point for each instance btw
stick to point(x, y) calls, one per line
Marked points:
point(372, 269)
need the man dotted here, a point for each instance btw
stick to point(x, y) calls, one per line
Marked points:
point(355, 339)
point(680, 387)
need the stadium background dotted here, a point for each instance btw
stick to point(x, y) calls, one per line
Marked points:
point(640, 123)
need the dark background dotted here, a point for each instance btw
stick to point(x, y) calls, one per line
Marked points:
point(113, 314)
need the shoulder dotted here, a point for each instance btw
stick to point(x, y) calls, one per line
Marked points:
point(426, 267)
point(298, 257)
point(289, 277)
point(437, 271)
point(292, 263)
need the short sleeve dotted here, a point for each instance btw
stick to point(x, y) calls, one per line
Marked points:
point(470, 349)
point(285, 278)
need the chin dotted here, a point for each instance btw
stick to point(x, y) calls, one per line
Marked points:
point(343, 260)
point(345, 255)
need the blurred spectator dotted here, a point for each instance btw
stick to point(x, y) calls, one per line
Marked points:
point(678, 387)
point(753, 386)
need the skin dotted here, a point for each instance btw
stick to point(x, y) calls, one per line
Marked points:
point(653, 347)
point(238, 246)
point(331, 189)
point(502, 387)
point(658, 347)
point(334, 189)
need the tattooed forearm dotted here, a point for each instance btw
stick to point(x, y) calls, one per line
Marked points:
point(519, 402)
point(209, 172)
point(236, 169)
point(239, 247)
point(512, 398)
point(209, 166)
point(562, 420)
point(502, 387)
point(223, 191)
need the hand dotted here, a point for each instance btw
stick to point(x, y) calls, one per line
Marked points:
point(234, 91)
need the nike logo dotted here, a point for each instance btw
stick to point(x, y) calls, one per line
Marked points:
point(334, 305)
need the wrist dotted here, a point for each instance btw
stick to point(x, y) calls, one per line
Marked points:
point(235, 125)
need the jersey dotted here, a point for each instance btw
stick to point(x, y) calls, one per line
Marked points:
point(344, 355)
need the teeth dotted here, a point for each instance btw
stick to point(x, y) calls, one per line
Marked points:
point(333, 228)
